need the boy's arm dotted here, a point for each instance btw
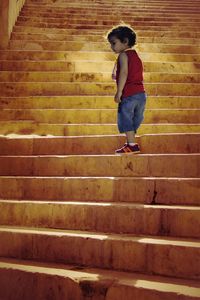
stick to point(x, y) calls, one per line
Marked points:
point(123, 60)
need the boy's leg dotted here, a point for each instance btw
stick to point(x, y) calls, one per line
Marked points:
point(130, 136)
point(130, 115)
point(139, 111)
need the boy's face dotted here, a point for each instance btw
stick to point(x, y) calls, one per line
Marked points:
point(117, 46)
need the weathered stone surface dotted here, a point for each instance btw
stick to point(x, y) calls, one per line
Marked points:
point(103, 217)
point(98, 116)
point(102, 165)
point(94, 102)
point(60, 76)
point(36, 282)
point(99, 144)
point(124, 189)
point(140, 213)
point(27, 127)
point(96, 46)
point(161, 256)
point(93, 283)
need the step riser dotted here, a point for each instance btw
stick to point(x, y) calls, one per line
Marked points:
point(60, 287)
point(67, 31)
point(97, 30)
point(98, 116)
point(94, 102)
point(145, 190)
point(79, 12)
point(118, 293)
point(21, 76)
point(147, 8)
point(115, 165)
point(129, 17)
point(61, 89)
point(102, 218)
point(82, 46)
point(163, 40)
point(39, 286)
point(42, 281)
point(79, 7)
point(99, 67)
point(70, 56)
point(138, 21)
point(137, 25)
point(28, 127)
point(98, 11)
point(48, 17)
point(64, 77)
point(109, 253)
point(98, 145)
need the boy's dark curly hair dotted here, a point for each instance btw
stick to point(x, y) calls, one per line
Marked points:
point(123, 33)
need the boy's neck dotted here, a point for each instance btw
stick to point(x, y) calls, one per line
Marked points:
point(127, 49)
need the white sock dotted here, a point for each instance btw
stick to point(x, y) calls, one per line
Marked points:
point(131, 144)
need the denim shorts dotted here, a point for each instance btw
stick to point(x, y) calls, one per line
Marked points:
point(131, 112)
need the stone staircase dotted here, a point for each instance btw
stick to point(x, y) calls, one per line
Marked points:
point(76, 221)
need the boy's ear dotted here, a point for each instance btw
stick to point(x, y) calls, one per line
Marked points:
point(125, 41)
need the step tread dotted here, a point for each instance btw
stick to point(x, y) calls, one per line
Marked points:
point(99, 177)
point(144, 239)
point(94, 109)
point(82, 274)
point(105, 204)
point(103, 155)
point(23, 136)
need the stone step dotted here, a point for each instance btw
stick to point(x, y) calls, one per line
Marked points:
point(175, 9)
point(151, 165)
point(152, 143)
point(98, 67)
point(24, 89)
point(42, 27)
point(59, 76)
point(96, 13)
point(99, 38)
point(28, 12)
point(92, 26)
point(100, 21)
point(41, 280)
point(70, 56)
point(132, 4)
point(162, 40)
point(114, 13)
point(150, 179)
point(71, 32)
point(103, 217)
point(139, 14)
point(77, 102)
point(144, 190)
point(100, 116)
point(166, 256)
point(44, 129)
point(99, 46)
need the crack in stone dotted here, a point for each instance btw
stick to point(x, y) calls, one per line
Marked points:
point(153, 202)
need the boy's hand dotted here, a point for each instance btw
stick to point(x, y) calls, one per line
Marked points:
point(114, 76)
point(118, 97)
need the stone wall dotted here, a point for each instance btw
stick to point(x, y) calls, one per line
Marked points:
point(9, 11)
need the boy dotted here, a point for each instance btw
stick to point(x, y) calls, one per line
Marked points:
point(130, 95)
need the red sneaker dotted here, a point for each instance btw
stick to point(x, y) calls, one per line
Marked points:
point(129, 149)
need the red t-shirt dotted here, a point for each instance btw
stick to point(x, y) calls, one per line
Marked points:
point(134, 82)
